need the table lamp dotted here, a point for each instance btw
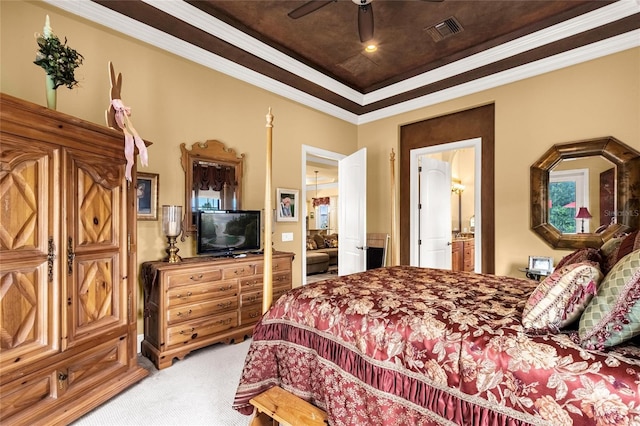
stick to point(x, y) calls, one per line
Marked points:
point(172, 226)
point(583, 213)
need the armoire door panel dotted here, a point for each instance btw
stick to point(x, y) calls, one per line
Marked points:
point(26, 309)
point(95, 303)
point(26, 182)
point(97, 202)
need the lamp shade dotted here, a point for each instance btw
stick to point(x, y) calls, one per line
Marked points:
point(171, 220)
point(583, 213)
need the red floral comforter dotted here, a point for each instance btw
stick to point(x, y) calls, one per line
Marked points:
point(413, 346)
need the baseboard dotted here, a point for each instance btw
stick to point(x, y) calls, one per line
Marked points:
point(140, 339)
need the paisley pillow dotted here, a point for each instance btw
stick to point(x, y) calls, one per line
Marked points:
point(561, 297)
point(613, 315)
point(581, 255)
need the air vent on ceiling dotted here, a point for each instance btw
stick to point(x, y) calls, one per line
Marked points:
point(444, 29)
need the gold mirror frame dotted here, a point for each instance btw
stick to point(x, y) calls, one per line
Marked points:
point(627, 162)
point(211, 151)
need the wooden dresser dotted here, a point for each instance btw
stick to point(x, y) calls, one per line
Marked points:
point(68, 269)
point(205, 300)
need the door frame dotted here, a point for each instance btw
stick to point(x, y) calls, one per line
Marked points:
point(476, 144)
point(457, 126)
point(318, 152)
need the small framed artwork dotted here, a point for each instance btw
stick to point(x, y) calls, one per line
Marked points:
point(288, 206)
point(147, 196)
point(539, 263)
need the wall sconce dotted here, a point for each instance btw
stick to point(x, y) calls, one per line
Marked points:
point(172, 226)
point(457, 188)
point(583, 214)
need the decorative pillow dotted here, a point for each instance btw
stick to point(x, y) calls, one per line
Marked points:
point(581, 255)
point(311, 244)
point(613, 315)
point(561, 297)
point(628, 243)
point(331, 241)
point(319, 239)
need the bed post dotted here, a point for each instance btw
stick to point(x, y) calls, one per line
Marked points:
point(267, 280)
point(394, 244)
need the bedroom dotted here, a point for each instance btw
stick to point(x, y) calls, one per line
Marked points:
point(593, 99)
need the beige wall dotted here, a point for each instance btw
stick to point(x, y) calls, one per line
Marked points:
point(589, 100)
point(175, 101)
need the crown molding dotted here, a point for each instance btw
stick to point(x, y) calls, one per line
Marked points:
point(103, 16)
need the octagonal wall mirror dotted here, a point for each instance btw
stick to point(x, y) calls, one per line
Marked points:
point(597, 180)
point(213, 180)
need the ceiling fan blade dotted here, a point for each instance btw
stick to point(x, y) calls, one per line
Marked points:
point(365, 22)
point(308, 7)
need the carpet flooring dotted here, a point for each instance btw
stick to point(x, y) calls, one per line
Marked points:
point(198, 390)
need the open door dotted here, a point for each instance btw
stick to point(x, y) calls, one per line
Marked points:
point(352, 220)
point(435, 213)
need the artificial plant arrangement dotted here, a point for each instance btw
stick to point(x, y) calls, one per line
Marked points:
point(58, 60)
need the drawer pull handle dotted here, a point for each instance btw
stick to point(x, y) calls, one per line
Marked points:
point(188, 313)
point(239, 271)
point(254, 315)
point(179, 296)
point(224, 305)
point(229, 287)
point(199, 277)
point(225, 322)
point(275, 266)
point(253, 298)
point(187, 331)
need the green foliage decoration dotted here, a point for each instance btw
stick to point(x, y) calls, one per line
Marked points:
point(58, 60)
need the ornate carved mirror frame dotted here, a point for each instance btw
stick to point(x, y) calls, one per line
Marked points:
point(209, 153)
point(627, 207)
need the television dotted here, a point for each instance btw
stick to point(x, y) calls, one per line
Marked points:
point(228, 232)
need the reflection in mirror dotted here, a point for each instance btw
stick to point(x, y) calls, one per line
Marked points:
point(615, 186)
point(213, 180)
point(581, 195)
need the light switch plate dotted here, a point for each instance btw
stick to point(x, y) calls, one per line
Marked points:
point(287, 236)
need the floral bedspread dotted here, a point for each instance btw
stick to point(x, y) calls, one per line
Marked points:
point(414, 346)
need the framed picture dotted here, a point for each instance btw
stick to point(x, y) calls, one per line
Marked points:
point(287, 209)
point(147, 193)
point(539, 263)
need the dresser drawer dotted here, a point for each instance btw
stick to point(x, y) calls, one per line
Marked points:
point(201, 292)
point(277, 264)
point(254, 282)
point(237, 271)
point(198, 310)
point(281, 279)
point(251, 298)
point(279, 292)
point(250, 314)
point(198, 276)
point(189, 331)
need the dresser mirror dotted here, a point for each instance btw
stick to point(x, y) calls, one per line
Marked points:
point(213, 180)
point(583, 193)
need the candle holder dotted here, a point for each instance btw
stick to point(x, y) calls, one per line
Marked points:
point(172, 226)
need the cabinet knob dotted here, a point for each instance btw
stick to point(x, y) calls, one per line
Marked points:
point(194, 278)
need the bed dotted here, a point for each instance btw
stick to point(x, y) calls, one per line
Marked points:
point(404, 345)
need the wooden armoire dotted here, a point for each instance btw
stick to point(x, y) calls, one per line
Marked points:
point(68, 270)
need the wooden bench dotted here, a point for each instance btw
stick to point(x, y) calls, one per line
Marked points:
point(279, 406)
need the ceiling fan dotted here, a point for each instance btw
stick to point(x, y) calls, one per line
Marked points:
point(365, 14)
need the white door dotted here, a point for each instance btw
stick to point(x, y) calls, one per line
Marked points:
point(352, 220)
point(434, 180)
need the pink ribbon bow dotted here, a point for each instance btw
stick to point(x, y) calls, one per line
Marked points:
point(130, 136)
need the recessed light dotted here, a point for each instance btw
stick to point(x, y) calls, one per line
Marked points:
point(371, 48)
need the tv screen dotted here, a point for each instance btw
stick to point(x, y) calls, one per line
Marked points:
point(225, 232)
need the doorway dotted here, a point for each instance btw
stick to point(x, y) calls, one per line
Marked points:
point(448, 152)
point(327, 162)
point(464, 125)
